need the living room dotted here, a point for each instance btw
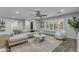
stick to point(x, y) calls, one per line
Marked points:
point(37, 29)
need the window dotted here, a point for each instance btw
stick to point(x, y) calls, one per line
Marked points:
point(14, 24)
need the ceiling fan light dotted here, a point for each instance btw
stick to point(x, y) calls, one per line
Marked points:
point(37, 17)
point(17, 12)
point(13, 17)
point(61, 10)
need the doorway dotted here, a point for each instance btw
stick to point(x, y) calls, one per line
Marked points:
point(31, 27)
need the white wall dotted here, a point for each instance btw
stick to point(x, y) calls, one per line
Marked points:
point(36, 24)
point(69, 31)
point(8, 24)
point(27, 25)
point(20, 24)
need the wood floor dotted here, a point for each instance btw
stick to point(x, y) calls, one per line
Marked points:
point(70, 45)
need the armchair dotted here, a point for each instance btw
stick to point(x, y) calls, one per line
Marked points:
point(60, 34)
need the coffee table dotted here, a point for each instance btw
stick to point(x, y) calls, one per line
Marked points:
point(39, 37)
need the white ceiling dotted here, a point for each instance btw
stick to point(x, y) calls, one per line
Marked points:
point(28, 12)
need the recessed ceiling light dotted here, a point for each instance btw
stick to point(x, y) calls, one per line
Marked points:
point(62, 10)
point(13, 17)
point(17, 12)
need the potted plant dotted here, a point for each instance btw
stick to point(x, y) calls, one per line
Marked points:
point(74, 23)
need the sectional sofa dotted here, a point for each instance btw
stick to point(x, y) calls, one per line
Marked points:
point(19, 38)
point(6, 41)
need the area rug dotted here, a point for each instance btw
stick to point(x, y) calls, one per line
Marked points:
point(48, 45)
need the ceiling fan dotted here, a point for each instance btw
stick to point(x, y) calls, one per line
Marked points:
point(38, 14)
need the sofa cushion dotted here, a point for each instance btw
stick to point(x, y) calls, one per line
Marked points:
point(29, 34)
point(17, 37)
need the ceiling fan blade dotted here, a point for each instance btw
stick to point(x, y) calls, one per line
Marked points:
point(40, 16)
point(43, 15)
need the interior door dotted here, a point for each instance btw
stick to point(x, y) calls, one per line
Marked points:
point(31, 27)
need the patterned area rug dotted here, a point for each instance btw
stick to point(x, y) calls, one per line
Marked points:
point(48, 45)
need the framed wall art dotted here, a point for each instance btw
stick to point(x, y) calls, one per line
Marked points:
point(60, 24)
point(55, 25)
point(51, 26)
point(47, 24)
point(42, 24)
